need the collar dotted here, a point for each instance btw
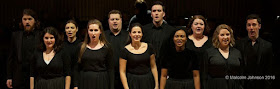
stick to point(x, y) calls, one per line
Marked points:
point(160, 27)
point(257, 40)
point(111, 33)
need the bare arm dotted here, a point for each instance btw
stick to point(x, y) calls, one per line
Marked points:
point(31, 82)
point(154, 69)
point(163, 78)
point(196, 79)
point(67, 82)
point(123, 73)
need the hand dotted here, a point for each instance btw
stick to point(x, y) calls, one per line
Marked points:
point(9, 83)
point(156, 87)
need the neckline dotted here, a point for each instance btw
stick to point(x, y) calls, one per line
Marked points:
point(138, 53)
point(222, 54)
point(45, 61)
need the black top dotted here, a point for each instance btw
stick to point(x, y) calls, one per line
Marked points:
point(117, 42)
point(71, 49)
point(180, 64)
point(95, 60)
point(28, 48)
point(218, 67)
point(18, 66)
point(143, 19)
point(257, 58)
point(138, 63)
point(199, 50)
point(59, 66)
point(157, 36)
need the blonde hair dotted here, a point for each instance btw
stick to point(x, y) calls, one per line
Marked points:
point(215, 38)
point(86, 39)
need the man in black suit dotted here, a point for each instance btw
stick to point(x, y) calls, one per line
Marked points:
point(257, 54)
point(23, 44)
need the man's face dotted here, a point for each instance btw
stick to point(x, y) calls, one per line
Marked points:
point(28, 22)
point(115, 22)
point(157, 13)
point(253, 28)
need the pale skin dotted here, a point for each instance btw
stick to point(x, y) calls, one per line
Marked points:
point(115, 23)
point(137, 47)
point(253, 27)
point(179, 40)
point(94, 33)
point(49, 42)
point(224, 40)
point(157, 15)
point(197, 36)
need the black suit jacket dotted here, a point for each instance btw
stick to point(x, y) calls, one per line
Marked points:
point(263, 62)
point(14, 65)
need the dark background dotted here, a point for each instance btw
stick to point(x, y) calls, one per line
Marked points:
point(57, 12)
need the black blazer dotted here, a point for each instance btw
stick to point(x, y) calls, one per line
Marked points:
point(263, 62)
point(265, 54)
point(14, 65)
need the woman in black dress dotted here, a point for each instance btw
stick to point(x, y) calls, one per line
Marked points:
point(180, 67)
point(223, 60)
point(198, 40)
point(50, 67)
point(71, 43)
point(94, 69)
point(138, 68)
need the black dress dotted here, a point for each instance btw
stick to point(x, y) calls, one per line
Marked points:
point(52, 75)
point(180, 66)
point(199, 52)
point(138, 69)
point(71, 49)
point(95, 71)
point(218, 67)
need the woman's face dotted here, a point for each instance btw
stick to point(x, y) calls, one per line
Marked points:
point(198, 26)
point(71, 30)
point(136, 33)
point(224, 38)
point(49, 40)
point(180, 38)
point(94, 32)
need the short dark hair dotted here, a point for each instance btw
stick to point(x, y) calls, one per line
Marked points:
point(58, 41)
point(114, 12)
point(141, 4)
point(254, 16)
point(159, 3)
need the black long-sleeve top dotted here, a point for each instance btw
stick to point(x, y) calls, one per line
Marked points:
point(59, 66)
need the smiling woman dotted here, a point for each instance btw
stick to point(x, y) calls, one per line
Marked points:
point(50, 66)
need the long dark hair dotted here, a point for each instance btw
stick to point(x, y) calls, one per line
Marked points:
point(87, 39)
point(58, 41)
